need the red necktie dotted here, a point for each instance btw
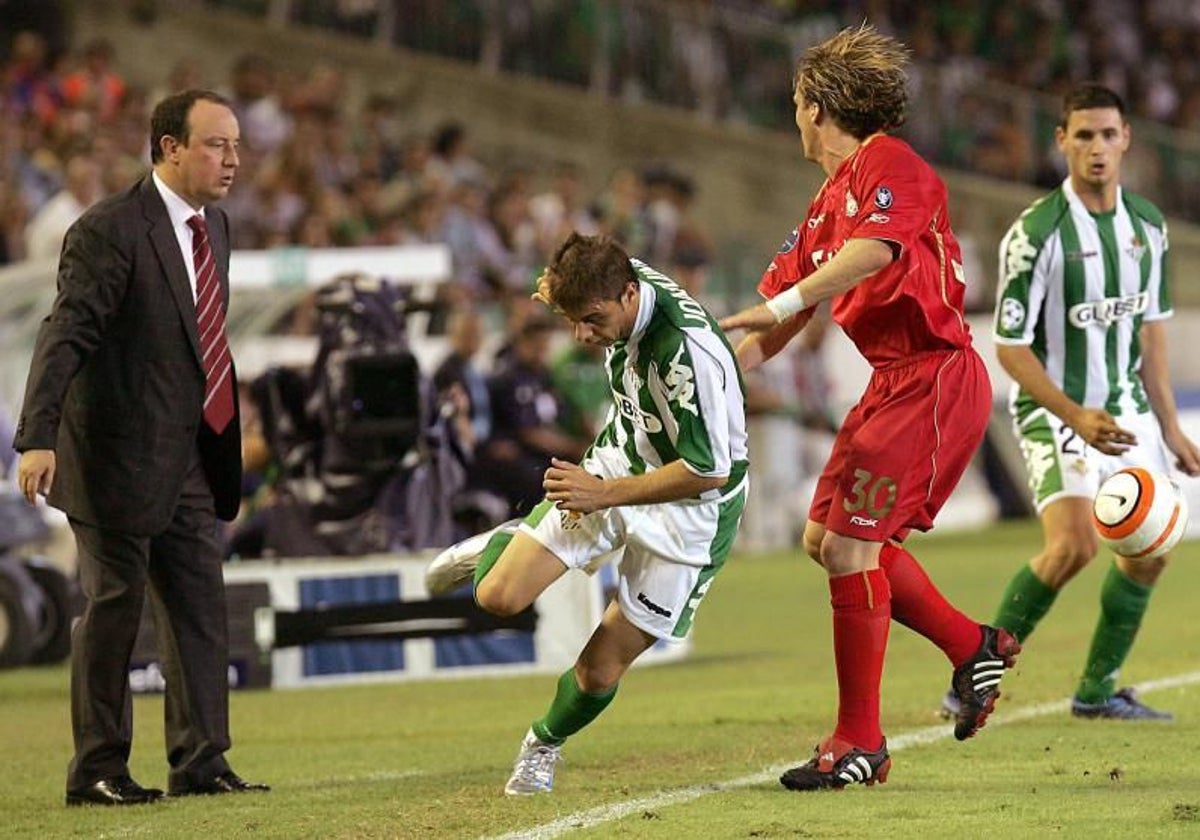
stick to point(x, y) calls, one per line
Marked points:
point(210, 322)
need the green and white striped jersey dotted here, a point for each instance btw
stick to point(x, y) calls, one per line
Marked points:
point(677, 390)
point(1075, 287)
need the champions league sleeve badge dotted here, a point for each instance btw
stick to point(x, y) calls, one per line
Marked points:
point(883, 198)
point(790, 242)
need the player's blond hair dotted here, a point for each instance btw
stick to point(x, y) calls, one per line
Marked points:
point(857, 77)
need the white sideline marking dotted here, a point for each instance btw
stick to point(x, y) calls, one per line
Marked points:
point(926, 735)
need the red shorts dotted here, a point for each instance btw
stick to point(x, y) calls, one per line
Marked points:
point(904, 446)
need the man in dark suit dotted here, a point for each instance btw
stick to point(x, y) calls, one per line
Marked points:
point(130, 427)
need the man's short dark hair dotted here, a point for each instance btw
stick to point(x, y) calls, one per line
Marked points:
point(1090, 95)
point(586, 269)
point(170, 118)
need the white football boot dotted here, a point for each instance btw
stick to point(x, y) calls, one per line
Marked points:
point(456, 565)
point(533, 771)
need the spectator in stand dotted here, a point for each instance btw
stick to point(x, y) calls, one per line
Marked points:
point(378, 136)
point(29, 87)
point(187, 73)
point(562, 209)
point(339, 164)
point(95, 86)
point(662, 211)
point(12, 222)
point(526, 421)
point(415, 174)
point(452, 161)
point(119, 157)
point(278, 205)
point(620, 210)
point(313, 230)
point(465, 211)
point(703, 70)
point(509, 241)
point(81, 189)
point(423, 219)
point(265, 125)
point(690, 268)
point(459, 370)
point(579, 374)
point(34, 164)
point(321, 92)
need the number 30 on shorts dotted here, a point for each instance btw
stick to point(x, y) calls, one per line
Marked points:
point(877, 495)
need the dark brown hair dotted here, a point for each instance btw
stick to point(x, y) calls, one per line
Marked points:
point(170, 118)
point(586, 269)
point(1088, 95)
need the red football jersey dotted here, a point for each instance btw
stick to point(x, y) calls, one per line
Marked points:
point(884, 191)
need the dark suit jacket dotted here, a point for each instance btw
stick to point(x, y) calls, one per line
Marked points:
point(116, 386)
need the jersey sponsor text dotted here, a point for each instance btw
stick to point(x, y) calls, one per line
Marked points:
point(1109, 310)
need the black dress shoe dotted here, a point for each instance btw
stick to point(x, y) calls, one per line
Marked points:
point(227, 782)
point(119, 790)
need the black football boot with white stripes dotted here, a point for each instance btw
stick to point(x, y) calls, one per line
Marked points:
point(976, 682)
point(835, 764)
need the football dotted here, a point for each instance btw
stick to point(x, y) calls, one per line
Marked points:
point(1139, 513)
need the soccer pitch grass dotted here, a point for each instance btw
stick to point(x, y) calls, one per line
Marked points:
point(688, 750)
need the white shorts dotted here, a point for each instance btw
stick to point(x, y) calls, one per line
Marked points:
point(669, 553)
point(1059, 464)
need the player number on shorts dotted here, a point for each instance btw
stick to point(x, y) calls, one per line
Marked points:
point(1070, 437)
point(877, 495)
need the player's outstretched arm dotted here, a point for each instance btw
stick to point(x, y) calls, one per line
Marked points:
point(857, 260)
point(760, 345)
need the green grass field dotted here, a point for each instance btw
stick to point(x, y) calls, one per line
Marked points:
point(690, 749)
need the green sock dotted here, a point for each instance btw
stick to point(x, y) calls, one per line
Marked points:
point(1123, 602)
point(1025, 602)
point(491, 553)
point(572, 709)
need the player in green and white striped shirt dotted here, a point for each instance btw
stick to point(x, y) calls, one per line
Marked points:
point(663, 486)
point(1079, 326)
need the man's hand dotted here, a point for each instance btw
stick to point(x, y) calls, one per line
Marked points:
point(573, 488)
point(35, 473)
point(755, 318)
point(1187, 457)
point(1099, 429)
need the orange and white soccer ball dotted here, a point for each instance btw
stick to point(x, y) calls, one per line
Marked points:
point(1139, 513)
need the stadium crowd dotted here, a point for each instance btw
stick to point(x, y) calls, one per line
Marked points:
point(314, 174)
point(987, 76)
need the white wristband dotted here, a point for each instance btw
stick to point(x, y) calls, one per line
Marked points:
point(787, 304)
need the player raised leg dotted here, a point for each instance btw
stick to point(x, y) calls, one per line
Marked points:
point(455, 566)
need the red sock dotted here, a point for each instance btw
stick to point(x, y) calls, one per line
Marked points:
point(861, 617)
point(919, 606)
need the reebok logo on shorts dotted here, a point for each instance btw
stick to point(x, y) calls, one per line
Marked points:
point(863, 521)
point(653, 607)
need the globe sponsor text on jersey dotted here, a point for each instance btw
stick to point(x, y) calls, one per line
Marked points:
point(1108, 311)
